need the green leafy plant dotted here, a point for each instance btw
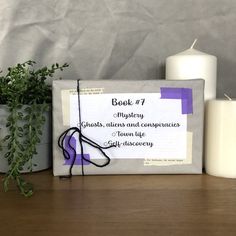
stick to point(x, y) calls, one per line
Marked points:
point(27, 95)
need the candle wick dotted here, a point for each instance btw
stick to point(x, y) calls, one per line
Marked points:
point(228, 97)
point(194, 42)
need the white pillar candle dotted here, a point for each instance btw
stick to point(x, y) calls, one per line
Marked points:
point(220, 138)
point(193, 64)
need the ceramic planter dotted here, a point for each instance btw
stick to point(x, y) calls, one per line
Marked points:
point(44, 156)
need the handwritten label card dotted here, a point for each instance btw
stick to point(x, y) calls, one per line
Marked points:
point(141, 125)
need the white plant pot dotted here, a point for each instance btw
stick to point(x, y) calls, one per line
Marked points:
point(43, 159)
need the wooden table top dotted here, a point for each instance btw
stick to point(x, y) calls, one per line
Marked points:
point(121, 205)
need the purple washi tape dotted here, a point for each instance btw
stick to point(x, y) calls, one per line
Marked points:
point(71, 153)
point(185, 94)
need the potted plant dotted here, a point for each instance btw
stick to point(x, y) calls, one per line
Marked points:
point(25, 99)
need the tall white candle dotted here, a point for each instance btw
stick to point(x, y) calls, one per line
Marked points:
point(220, 138)
point(193, 64)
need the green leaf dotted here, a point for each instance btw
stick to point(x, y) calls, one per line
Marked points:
point(26, 126)
point(21, 147)
point(20, 154)
point(27, 117)
point(9, 145)
point(26, 142)
point(28, 109)
point(18, 106)
point(40, 132)
point(20, 129)
point(20, 135)
point(10, 119)
point(5, 184)
point(6, 155)
point(37, 139)
point(20, 114)
point(8, 124)
point(7, 137)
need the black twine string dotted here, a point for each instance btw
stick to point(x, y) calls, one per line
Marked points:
point(80, 136)
point(70, 133)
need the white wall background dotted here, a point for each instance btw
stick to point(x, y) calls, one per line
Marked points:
point(118, 39)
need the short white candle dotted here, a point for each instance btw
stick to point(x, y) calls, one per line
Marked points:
point(220, 138)
point(193, 64)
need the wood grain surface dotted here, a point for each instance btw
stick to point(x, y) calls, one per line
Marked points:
point(121, 205)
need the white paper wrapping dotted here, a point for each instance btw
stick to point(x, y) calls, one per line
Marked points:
point(163, 134)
